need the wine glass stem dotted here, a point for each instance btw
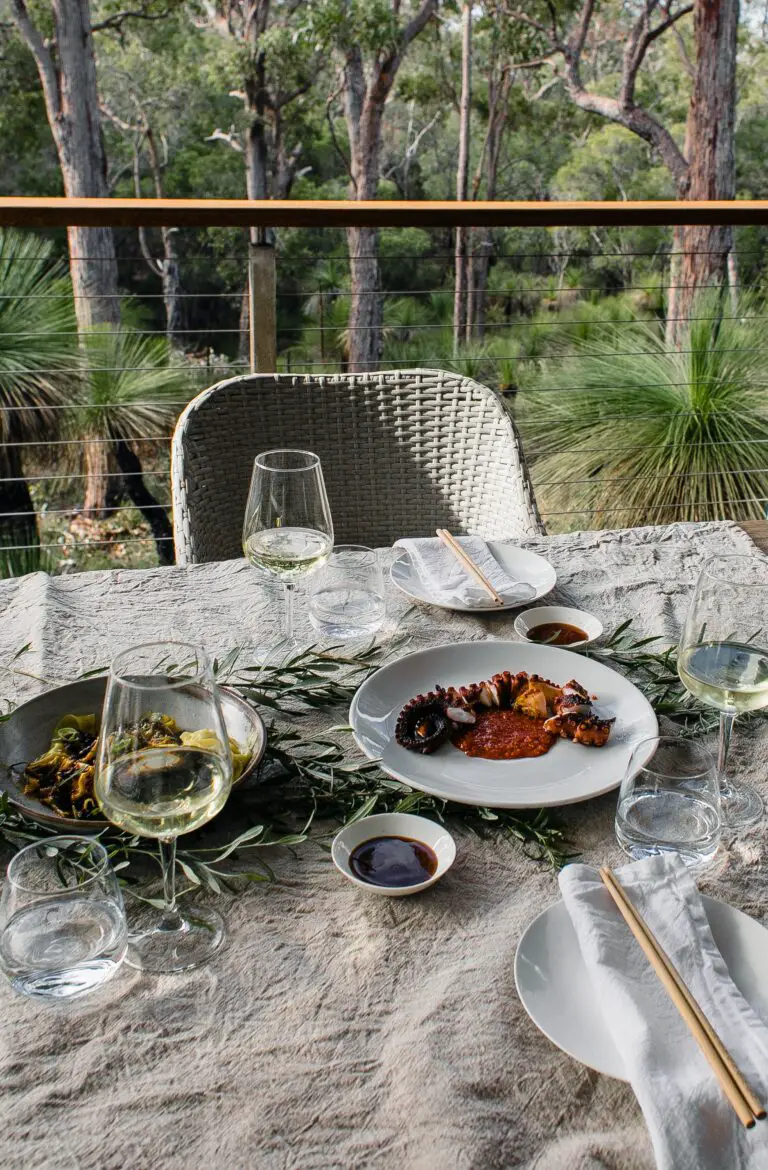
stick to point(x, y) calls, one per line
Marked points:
point(288, 612)
point(171, 919)
point(726, 727)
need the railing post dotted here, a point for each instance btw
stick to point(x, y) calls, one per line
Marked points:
point(262, 307)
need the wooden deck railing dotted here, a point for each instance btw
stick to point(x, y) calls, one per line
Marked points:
point(44, 212)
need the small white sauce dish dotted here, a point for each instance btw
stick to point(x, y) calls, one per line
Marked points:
point(544, 614)
point(407, 825)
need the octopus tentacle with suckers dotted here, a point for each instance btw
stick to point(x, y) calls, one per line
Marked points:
point(428, 721)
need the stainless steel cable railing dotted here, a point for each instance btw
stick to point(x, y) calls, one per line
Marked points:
point(628, 414)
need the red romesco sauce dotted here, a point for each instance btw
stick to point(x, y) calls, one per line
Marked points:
point(504, 735)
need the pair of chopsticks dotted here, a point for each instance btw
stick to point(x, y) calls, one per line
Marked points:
point(744, 1102)
point(451, 543)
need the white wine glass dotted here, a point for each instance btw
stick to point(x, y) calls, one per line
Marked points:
point(152, 783)
point(723, 660)
point(287, 531)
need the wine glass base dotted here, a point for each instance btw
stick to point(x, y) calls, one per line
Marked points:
point(276, 652)
point(164, 951)
point(740, 807)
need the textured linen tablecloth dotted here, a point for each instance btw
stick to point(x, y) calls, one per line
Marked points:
point(338, 1028)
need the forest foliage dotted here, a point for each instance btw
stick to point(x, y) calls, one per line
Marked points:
point(197, 103)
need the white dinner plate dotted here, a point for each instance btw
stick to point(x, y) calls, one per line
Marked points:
point(569, 772)
point(556, 991)
point(517, 563)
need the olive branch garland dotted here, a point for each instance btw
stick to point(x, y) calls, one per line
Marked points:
point(309, 784)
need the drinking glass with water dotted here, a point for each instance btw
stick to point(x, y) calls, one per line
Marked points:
point(346, 595)
point(62, 923)
point(669, 801)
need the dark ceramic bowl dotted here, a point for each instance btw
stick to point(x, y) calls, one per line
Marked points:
point(27, 734)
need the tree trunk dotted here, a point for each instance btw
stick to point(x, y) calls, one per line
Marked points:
point(170, 273)
point(97, 481)
point(479, 270)
point(710, 138)
point(140, 495)
point(461, 286)
point(172, 296)
point(365, 311)
point(364, 101)
point(498, 107)
point(68, 80)
point(365, 307)
point(18, 522)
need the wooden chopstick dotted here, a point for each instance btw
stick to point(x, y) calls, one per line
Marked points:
point(451, 543)
point(744, 1102)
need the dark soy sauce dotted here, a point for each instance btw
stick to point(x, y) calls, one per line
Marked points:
point(557, 634)
point(393, 861)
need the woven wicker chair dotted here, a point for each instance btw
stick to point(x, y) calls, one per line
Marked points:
point(403, 452)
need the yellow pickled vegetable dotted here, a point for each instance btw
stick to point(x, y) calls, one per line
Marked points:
point(207, 741)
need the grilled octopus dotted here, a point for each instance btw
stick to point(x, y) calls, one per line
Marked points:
point(427, 721)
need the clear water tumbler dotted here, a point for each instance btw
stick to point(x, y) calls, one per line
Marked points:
point(669, 801)
point(62, 924)
point(346, 595)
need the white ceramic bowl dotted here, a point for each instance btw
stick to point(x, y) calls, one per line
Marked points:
point(420, 829)
point(530, 618)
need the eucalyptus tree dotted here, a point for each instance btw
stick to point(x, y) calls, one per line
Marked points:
point(461, 258)
point(277, 66)
point(61, 43)
point(371, 39)
point(703, 168)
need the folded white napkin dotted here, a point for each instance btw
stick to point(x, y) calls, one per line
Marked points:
point(690, 1121)
point(447, 581)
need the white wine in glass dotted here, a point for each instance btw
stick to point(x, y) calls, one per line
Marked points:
point(723, 660)
point(287, 530)
point(150, 784)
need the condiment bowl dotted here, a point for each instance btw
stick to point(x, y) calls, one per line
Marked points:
point(420, 829)
point(544, 614)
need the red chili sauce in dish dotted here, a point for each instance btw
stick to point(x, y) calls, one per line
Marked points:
point(504, 735)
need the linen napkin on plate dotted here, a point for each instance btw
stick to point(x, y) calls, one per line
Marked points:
point(448, 583)
point(690, 1121)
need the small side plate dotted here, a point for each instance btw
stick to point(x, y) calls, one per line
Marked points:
point(517, 562)
point(556, 990)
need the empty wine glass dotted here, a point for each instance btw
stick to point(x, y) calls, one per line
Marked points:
point(287, 531)
point(149, 781)
point(723, 660)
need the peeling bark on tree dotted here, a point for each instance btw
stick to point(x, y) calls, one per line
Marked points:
point(704, 169)
point(710, 133)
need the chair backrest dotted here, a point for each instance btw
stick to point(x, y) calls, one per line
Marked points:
point(403, 452)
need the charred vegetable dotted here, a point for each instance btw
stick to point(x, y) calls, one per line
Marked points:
point(62, 777)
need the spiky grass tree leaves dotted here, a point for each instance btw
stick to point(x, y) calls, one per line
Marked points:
point(624, 430)
point(38, 353)
point(131, 391)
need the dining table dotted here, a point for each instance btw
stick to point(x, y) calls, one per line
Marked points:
point(338, 1028)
